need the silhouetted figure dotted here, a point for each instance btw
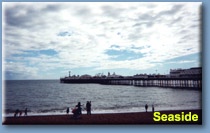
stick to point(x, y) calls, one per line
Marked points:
point(16, 112)
point(146, 107)
point(26, 112)
point(79, 109)
point(20, 113)
point(67, 110)
point(88, 107)
point(75, 112)
point(153, 108)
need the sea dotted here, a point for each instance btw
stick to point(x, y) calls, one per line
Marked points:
point(50, 97)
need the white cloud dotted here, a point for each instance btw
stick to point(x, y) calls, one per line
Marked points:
point(157, 31)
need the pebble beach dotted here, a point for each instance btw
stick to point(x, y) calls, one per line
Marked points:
point(100, 119)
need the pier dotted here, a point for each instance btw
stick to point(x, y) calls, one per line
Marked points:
point(178, 78)
point(191, 83)
point(187, 83)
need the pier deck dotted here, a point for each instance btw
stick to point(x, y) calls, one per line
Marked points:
point(191, 83)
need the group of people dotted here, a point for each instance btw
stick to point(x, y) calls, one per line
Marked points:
point(19, 112)
point(146, 108)
point(77, 110)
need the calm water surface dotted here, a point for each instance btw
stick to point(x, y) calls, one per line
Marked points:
point(52, 97)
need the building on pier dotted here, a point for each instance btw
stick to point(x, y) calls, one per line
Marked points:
point(191, 72)
point(178, 78)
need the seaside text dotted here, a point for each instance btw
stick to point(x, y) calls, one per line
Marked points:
point(157, 116)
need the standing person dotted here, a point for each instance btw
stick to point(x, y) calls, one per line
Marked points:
point(146, 107)
point(16, 112)
point(87, 104)
point(79, 109)
point(153, 108)
point(26, 112)
point(67, 110)
point(88, 107)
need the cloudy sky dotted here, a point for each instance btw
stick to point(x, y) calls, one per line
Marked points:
point(46, 40)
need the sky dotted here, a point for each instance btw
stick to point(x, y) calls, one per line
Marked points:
point(47, 40)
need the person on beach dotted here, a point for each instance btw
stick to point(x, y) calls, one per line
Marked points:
point(79, 109)
point(75, 112)
point(16, 112)
point(88, 107)
point(146, 107)
point(67, 110)
point(25, 112)
point(20, 113)
point(153, 108)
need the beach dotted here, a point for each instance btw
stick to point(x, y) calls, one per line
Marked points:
point(101, 119)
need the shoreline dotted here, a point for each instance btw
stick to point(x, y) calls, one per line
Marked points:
point(137, 110)
point(100, 118)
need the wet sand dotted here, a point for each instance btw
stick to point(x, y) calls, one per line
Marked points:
point(97, 119)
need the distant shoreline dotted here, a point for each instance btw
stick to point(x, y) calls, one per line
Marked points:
point(104, 119)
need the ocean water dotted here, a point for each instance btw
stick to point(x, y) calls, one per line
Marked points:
point(43, 97)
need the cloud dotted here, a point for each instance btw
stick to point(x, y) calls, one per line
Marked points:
point(174, 9)
point(47, 38)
